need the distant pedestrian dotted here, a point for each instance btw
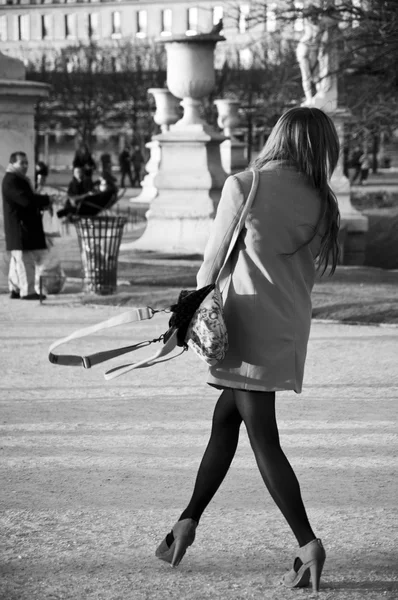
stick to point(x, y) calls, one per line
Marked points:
point(106, 161)
point(355, 164)
point(23, 227)
point(107, 179)
point(137, 160)
point(41, 174)
point(125, 166)
point(85, 161)
point(365, 166)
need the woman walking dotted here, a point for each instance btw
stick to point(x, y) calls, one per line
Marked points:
point(292, 227)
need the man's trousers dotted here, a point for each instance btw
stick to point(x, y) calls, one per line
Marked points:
point(26, 267)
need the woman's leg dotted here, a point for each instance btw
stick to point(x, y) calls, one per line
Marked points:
point(258, 413)
point(217, 457)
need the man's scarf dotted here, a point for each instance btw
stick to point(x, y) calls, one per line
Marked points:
point(15, 171)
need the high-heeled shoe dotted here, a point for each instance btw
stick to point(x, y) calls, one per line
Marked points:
point(183, 533)
point(312, 556)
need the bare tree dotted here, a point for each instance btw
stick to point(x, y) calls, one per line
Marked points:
point(93, 85)
point(367, 42)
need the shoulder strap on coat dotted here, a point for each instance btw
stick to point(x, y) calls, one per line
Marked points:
point(242, 220)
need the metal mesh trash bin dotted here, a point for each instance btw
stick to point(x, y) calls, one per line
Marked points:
point(99, 241)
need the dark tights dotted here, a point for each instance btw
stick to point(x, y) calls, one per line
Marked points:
point(257, 410)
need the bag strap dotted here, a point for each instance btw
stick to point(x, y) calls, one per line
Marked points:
point(138, 314)
point(245, 211)
point(148, 362)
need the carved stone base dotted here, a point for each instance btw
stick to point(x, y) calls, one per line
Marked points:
point(188, 181)
point(233, 156)
point(149, 190)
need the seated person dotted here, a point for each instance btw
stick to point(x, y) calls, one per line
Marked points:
point(107, 181)
point(86, 198)
point(79, 185)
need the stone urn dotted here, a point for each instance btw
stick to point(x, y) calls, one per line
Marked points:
point(190, 72)
point(167, 109)
point(228, 117)
point(186, 172)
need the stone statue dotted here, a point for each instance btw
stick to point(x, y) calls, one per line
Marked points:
point(317, 57)
point(218, 27)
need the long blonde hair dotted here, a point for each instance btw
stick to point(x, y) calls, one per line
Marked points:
point(307, 139)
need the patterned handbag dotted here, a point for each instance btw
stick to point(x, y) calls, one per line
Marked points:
point(198, 320)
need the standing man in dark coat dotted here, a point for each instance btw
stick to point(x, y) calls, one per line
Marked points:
point(23, 229)
point(125, 166)
point(138, 160)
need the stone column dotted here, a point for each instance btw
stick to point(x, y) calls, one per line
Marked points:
point(190, 175)
point(233, 157)
point(17, 102)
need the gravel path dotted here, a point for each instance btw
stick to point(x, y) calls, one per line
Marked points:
point(95, 473)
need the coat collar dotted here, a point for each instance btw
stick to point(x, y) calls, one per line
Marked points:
point(277, 165)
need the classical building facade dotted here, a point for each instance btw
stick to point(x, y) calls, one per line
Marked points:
point(29, 28)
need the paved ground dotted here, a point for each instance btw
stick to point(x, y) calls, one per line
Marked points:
point(94, 473)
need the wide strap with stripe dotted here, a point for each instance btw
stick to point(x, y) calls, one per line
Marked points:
point(72, 360)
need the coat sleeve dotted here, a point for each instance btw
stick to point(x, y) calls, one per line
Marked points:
point(25, 197)
point(227, 217)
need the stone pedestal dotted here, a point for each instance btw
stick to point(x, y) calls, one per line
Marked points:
point(189, 178)
point(233, 157)
point(188, 182)
point(149, 189)
point(354, 223)
point(17, 101)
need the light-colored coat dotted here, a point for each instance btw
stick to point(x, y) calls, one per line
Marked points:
point(267, 303)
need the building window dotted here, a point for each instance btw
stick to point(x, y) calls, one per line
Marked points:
point(116, 25)
point(46, 27)
point(167, 22)
point(93, 25)
point(23, 27)
point(218, 13)
point(192, 21)
point(271, 17)
point(70, 27)
point(142, 24)
point(3, 28)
